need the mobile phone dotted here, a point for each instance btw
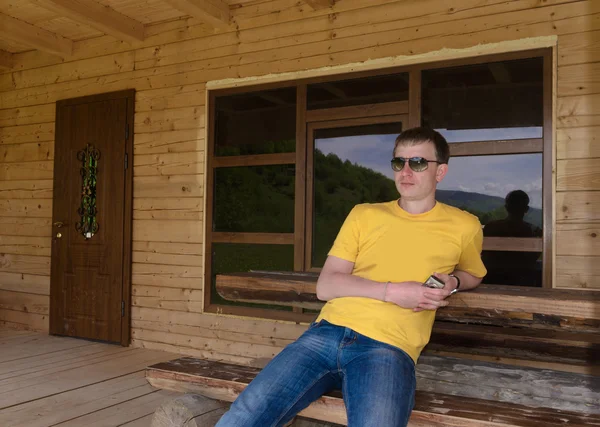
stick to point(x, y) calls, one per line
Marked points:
point(434, 282)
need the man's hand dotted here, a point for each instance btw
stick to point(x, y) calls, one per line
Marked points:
point(450, 282)
point(416, 296)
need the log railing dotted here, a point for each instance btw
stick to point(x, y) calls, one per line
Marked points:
point(488, 304)
point(552, 329)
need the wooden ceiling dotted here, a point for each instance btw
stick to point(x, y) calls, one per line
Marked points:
point(53, 25)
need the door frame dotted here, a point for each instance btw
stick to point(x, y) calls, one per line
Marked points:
point(129, 95)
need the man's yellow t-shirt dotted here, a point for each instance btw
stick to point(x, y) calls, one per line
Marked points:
point(386, 243)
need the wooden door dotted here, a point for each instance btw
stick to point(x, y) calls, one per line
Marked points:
point(91, 243)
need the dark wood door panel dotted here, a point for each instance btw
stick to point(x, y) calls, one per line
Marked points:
point(87, 277)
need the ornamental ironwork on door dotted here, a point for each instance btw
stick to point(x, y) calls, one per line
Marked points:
point(87, 225)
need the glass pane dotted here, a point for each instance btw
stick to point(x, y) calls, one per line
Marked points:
point(485, 186)
point(238, 258)
point(513, 268)
point(367, 90)
point(261, 122)
point(351, 166)
point(479, 184)
point(493, 101)
point(254, 199)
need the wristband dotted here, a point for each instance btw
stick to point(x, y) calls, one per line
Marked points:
point(385, 291)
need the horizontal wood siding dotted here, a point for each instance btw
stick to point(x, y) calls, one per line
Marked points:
point(169, 71)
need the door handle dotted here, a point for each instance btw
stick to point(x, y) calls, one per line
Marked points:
point(58, 224)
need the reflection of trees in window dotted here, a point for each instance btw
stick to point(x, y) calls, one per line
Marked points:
point(255, 199)
point(338, 187)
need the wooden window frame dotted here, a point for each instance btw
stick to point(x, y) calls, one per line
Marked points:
point(410, 113)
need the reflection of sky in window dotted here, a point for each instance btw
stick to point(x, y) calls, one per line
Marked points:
point(497, 175)
point(490, 175)
point(468, 135)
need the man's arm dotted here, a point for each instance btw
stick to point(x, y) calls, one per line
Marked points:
point(336, 280)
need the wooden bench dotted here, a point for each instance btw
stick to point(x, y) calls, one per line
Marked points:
point(449, 393)
point(498, 356)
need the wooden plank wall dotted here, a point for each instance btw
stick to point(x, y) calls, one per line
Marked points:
point(169, 72)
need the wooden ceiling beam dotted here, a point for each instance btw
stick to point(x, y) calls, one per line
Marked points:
point(21, 32)
point(319, 4)
point(98, 16)
point(213, 12)
point(6, 60)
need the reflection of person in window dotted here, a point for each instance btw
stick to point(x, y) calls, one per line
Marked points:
point(378, 315)
point(509, 267)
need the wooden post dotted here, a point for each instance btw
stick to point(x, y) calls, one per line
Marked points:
point(189, 410)
point(194, 410)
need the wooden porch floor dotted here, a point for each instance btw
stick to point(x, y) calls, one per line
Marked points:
point(56, 381)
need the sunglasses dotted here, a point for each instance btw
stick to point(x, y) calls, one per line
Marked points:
point(417, 164)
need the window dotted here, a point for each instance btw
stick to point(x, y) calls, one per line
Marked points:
point(492, 114)
point(286, 164)
point(251, 181)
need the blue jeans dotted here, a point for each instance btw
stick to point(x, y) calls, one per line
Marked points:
point(377, 381)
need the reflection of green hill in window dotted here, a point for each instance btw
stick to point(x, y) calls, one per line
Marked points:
point(255, 199)
point(339, 186)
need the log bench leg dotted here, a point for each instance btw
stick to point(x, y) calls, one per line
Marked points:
point(189, 410)
point(303, 422)
point(194, 410)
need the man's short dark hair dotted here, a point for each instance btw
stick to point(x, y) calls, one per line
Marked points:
point(420, 135)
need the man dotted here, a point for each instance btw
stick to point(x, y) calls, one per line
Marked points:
point(378, 315)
